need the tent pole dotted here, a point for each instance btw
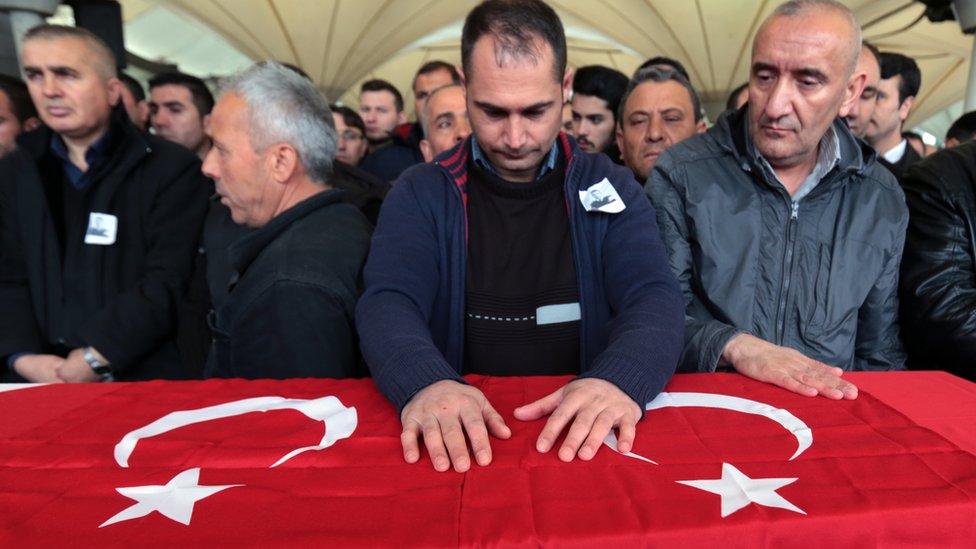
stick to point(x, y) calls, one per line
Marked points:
point(970, 103)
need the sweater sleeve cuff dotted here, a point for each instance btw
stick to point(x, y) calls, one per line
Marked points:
point(402, 381)
point(714, 346)
point(640, 384)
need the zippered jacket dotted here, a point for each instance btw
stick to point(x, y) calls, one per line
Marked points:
point(411, 315)
point(819, 275)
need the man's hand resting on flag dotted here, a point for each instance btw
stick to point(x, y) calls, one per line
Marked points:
point(788, 368)
point(593, 407)
point(444, 412)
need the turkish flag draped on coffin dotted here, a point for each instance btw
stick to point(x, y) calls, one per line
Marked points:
point(865, 474)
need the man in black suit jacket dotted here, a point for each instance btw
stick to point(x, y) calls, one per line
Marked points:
point(900, 81)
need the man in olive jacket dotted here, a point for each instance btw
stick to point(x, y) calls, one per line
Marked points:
point(99, 225)
point(783, 230)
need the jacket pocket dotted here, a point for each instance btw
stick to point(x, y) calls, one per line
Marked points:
point(821, 285)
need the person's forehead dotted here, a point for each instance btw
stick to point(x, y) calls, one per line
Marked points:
point(445, 100)
point(229, 113)
point(434, 79)
point(802, 42)
point(171, 92)
point(339, 121)
point(488, 61)
point(589, 103)
point(66, 51)
point(653, 96)
point(377, 97)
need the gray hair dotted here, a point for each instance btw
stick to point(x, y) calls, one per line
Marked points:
point(284, 107)
point(660, 75)
point(424, 115)
point(793, 8)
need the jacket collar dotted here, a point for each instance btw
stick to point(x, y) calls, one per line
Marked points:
point(125, 137)
point(455, 161)
point(245, 250)
point(731, 131)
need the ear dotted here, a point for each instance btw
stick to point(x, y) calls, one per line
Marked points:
point(206, 124)
point(701, 127)
point(31, 123)
point(906, 107)
point(143, 108)
point(401, 118)
point(426, 150)
point(568, 84)
point(114, 90)
point(855, 86)
point(282, 160)
point(619, 132)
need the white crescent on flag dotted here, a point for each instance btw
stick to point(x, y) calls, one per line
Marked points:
point(793, 424)
point(338, 420)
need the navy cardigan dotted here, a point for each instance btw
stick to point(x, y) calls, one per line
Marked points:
point(410, 317)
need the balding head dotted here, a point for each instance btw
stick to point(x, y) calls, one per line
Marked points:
point(802, 78)
point(840, 16)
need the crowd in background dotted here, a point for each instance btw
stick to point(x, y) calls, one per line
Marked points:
point(528, 221)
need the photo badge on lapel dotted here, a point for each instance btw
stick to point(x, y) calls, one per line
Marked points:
point(102, 229)
point(602, 197)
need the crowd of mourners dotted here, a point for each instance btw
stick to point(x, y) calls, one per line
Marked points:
point(534, 220)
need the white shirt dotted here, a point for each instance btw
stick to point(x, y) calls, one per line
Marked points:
point(896, 152)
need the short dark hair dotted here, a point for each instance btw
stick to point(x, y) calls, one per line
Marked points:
point(515, 24)
point(199, 92)
point(349, 117)
point(603, 82)
point(896, 64)
point(964, 128)
point(666, 61)
point(733, 95)
point(20, 100)
point(135, 88)
point(661, 75)
point(434, 66)
point(376, 85)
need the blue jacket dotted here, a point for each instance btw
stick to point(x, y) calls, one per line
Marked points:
point(411, 316)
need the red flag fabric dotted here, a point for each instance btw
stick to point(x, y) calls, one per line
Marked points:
point(871, 475)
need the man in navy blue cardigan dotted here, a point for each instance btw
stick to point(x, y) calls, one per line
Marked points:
point(517, 254)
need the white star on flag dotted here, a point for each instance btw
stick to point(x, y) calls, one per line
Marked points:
point(738, 490)
point(175, 500)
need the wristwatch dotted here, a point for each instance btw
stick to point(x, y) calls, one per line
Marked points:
point(97, 366)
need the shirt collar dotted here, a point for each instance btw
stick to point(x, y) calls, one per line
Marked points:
point(482, 161)
point(828, 157)
point(895, 153)
point(96, 153)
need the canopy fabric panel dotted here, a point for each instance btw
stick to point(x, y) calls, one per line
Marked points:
point(342, 42)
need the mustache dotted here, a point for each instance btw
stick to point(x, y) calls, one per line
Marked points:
point(782, 123)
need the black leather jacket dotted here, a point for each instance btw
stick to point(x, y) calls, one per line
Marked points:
point(938, 284)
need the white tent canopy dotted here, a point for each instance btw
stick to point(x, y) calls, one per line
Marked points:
point(340, 43)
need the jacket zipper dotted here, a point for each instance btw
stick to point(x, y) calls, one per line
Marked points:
point(787, 269)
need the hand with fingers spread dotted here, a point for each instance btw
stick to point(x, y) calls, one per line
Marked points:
point(590, 407)
point(448, 414)
point(787, 368)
